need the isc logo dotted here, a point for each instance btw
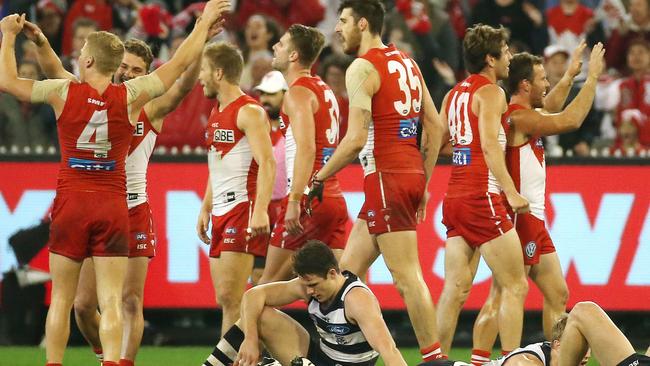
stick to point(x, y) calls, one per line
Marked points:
point(229, 240)
point(224, 136)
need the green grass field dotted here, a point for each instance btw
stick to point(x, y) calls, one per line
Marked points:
point(158, 356)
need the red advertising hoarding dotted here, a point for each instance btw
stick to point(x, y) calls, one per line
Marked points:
point(598, 218)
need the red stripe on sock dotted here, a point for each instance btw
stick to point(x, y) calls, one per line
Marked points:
point(53, 364)
point(110, 363)
point(431, 353)
point(125, 362)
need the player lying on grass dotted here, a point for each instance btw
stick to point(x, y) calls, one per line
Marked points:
point(351, 329)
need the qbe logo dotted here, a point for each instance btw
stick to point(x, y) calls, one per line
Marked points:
point(408, 127)
point(221, 135)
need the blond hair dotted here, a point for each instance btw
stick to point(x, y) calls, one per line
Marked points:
point(107, 50)
point(225, 56)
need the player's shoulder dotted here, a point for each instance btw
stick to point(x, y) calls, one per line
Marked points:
point(251, 110)
point(490, 91)
point(361, 65)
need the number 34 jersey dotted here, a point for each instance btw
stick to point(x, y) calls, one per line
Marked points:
point(470, 175)
point(396, 108)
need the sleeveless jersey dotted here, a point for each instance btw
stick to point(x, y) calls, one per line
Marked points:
point(527, 167)
point(540, 350)
point(470, 175)
point(233, 171)
point(341, 340)
point(142, 144)
point(94, 137)
point(326, 128)
point(396, 108)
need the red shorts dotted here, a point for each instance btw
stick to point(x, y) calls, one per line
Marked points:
point(477, 219)
point(86, 224)
point(142, 238)
point(392, 201)
point(229, 233)
point(534, 238)
point(326, 223)
point(275, 208)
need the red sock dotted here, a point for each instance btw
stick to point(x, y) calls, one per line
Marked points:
point(110, 363)
point(125, 362)
point(432, 352)
point(505, 353)
point(53, 364)
point(479, 357)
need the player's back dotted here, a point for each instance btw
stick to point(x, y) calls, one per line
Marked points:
point(396, 109)
point(94, 137)
point(326, 130)
point(527, 167)
point(470, 175)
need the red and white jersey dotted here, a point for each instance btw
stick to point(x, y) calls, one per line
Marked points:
point(94, 136)
point(142, 144)
point(527, 167)
point(470, 175)
point(396, 109)
point(326, 128)
point(233, 171)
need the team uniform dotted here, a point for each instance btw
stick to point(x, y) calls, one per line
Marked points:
point(328, 219)
point(340, 342)
point(541, 350)
point(527, 167)
point(142, 238)
point(473, 207)
point(394, 181)
point(233, 176)
point(89, 214)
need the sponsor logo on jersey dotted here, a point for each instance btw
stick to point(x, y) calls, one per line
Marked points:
point(530, 249)
point(141, 236)
point(634, 363)
point(96, 102)
point(327, 154)
point(282, 124)
point(221, 135)
point(132, 196)
point(84, 164)
point(231, 230)
point(371, 213)
point(539, 142)
point(408, 127)
point(461, 156)
point(141, 246)
point(139, 129)
point(229, 240)
point(338, 329)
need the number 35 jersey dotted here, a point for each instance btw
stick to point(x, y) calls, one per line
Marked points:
point(396, 108)
point(470, 175)
point(326, 131)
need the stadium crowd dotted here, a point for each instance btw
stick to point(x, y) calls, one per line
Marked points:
point(429, 30)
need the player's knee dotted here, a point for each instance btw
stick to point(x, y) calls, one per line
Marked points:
point(458, 288)
point(406, 281)
point(83, 308)
point(584, 310)
point(132, 303)
point(229, 299)
point(517, 289)
point(559, 297)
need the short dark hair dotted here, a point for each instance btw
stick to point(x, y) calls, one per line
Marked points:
point(314, 258)
point(307, 41)
point(372, 10)
point(335, 60)
point(558, 327)
point(140, 49)
point(480, 41)
point(638, 41)
point(222, 55)
point(521, 68)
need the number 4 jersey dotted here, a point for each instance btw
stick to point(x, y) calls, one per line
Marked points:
point(396, 107)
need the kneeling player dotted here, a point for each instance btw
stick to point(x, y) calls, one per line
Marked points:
point(345, 312)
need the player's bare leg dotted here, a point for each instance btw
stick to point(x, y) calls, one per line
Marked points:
point(486, 325)
point(461, 262)
point(548, 277)
point(230, 274)
point(278, 265)
point(504, 257)
point(293, 342)
point(360, 252)
point(132, 301)
point(110, 272)
point(86, 307)
point(589, 326)
point(65, 275)
point(400, 252)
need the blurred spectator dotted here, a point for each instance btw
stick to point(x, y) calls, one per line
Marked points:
point(29, 51)
point(49, 17)
point(81, 28)
point(556, 62)
point(96, 10)
point(636, 25)
point(568, 23)
point(124, 15)
point(260, 67)
point(286, 12)
point(26, 124)
point(627, 141)
point(519, 16)
point(635, 90)
point(260, 34)
point(332, 71)
point(152, 25)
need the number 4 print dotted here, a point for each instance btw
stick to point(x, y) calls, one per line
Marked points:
point(97, 126)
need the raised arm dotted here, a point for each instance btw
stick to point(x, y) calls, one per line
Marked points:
point(252, 120)
point(47, 58)
point(534, 123)
point(299, 104)
point(556, 98)
point(491, 102)
point(10, 26)
point(362, 307)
